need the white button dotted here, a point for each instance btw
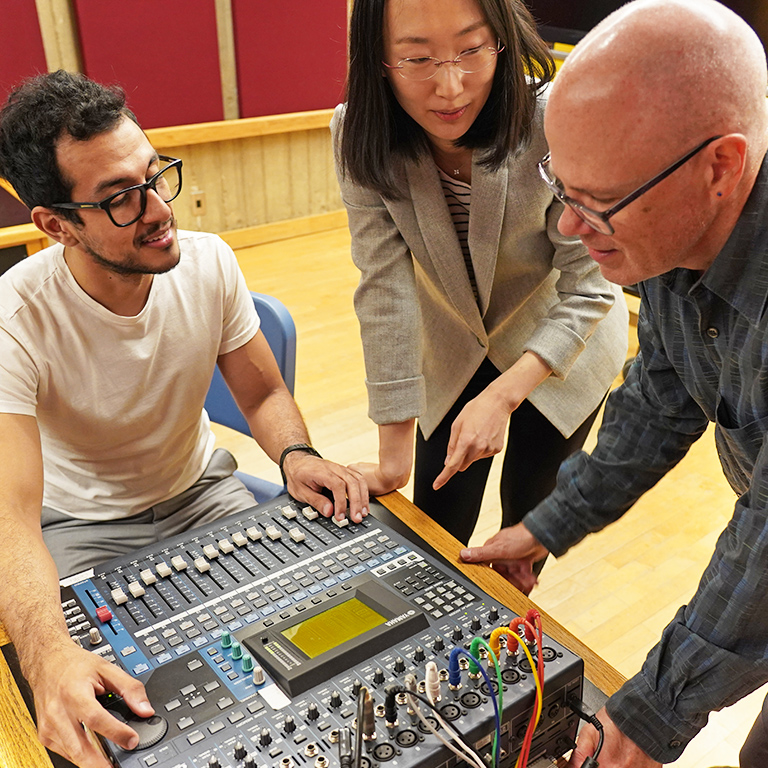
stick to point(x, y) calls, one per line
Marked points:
point(289, 513)
point(226, 546)
point(239, 539)
point(136, 589)
point(119, 596)
point(296, 534)
point(163, 569)
point(272, 532)
point(202, 565)
point(210, 551)
point(309, 513)
point(254, 534)
point(179, 563)
point(343, 523)
point(147, 576)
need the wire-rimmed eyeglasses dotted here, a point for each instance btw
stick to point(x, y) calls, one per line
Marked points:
point(598, 220)
point(128, 205)
point(426, 67)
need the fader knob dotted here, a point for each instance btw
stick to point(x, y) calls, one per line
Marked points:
point(240, 751)
point(336, 699)
point(475, 624)
point(399, 665)
point(493, 614)
point(418, 654)
point(457, 634)
point(438, 645)
point(289, 724)
point(265, 737)
point(312, 713)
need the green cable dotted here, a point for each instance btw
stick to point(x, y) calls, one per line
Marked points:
point(478, 641)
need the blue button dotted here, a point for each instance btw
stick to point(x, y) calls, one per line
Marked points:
point(373, 563)
point(329, 582)
point(217, 633)
point(139, 669)
point(235, 625)
point(266, 611)
point(315, 588)
point(162, 658)
point(182, 649)
point(284, 603)
point(250, 618)
point(387, 556)
point(344, 576)
point(401, 550)
point(299, 596)
point(200, 641)
point(358, 569)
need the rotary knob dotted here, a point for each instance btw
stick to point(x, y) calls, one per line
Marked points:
point(378, 676)
point(356, 686)
point(438, 645)
point(335, 700)
point(249, 762)
point(213, 762)
point(399, 665)
point(418, 654)
point(493, 614)
point(457, 634)
point(475, 624)
point(289, 724)
point(265, 737)
point(240, 751)
point(312, 713)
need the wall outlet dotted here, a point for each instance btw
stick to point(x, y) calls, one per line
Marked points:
point(198, 203)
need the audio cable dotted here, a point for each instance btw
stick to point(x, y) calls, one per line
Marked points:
point(577, 706)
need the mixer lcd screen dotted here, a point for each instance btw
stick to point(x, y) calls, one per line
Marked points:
point(329, 629)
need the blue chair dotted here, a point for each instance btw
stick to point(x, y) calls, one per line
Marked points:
point(280, 331)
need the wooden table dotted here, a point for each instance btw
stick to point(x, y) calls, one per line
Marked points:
point(19, 747)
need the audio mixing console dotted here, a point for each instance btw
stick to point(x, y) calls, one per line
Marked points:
point(255, 635)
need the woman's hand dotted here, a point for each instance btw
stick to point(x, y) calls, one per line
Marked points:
point(478, 431)
point(395, 459)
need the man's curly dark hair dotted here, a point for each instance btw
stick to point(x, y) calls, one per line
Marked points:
point(37, 114)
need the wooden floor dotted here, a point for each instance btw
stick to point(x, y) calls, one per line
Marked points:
point(616, 590)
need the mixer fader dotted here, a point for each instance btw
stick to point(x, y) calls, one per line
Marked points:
point(257, 637)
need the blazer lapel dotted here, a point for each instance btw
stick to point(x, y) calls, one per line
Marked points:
point(440, 239)
point(486, 215)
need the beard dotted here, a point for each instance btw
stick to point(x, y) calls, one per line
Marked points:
point(130, 264)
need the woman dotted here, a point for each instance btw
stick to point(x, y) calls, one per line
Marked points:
point(474, 310)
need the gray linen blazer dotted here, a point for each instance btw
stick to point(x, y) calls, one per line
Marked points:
point(423, 333)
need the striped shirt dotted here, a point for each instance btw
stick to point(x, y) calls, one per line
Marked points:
point(457, 196)
point(703, 358)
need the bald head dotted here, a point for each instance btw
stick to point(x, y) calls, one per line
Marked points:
point(670, 71)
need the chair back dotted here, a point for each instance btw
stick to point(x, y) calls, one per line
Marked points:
point(280, 331)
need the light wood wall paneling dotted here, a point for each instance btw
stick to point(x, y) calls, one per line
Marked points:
point(227, 67)
point(59, 32)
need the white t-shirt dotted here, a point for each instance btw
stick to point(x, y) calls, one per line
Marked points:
point(119, 400)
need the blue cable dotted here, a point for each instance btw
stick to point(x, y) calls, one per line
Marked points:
point(453, 663)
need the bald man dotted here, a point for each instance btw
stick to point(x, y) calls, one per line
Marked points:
point(658, 132)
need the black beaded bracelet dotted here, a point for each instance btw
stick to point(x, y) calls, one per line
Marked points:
point(296, 447)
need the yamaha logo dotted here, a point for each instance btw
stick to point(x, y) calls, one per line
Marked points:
point(401, 617)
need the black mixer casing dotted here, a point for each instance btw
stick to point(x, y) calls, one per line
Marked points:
point(270, 584)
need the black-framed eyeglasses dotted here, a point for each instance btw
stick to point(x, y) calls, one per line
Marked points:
point(468, 62)
point(599, 220)
point(128, 205)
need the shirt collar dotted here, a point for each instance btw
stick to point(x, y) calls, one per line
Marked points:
point(739, 273)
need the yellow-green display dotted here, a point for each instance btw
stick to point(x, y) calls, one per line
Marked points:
point(331, 628)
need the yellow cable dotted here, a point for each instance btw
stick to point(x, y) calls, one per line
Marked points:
point(540, 697)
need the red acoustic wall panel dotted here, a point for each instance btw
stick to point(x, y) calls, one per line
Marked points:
point(21, 45)
point(164, 53)
point(291, 54)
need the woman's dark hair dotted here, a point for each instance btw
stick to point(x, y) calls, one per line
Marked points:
point(36, 115)
point(376, 126)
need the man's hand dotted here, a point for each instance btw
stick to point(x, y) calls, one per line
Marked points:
point(512, 552)
point(377, 479)
point(310, 478)
point(618, 751)
point(65, 691)
point(477, 432)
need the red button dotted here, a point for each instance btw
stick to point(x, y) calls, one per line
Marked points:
point(104, 614)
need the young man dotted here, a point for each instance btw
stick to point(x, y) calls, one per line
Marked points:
point(658, 133)
point(108, 341)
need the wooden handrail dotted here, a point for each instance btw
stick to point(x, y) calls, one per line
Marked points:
point(245, 128)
